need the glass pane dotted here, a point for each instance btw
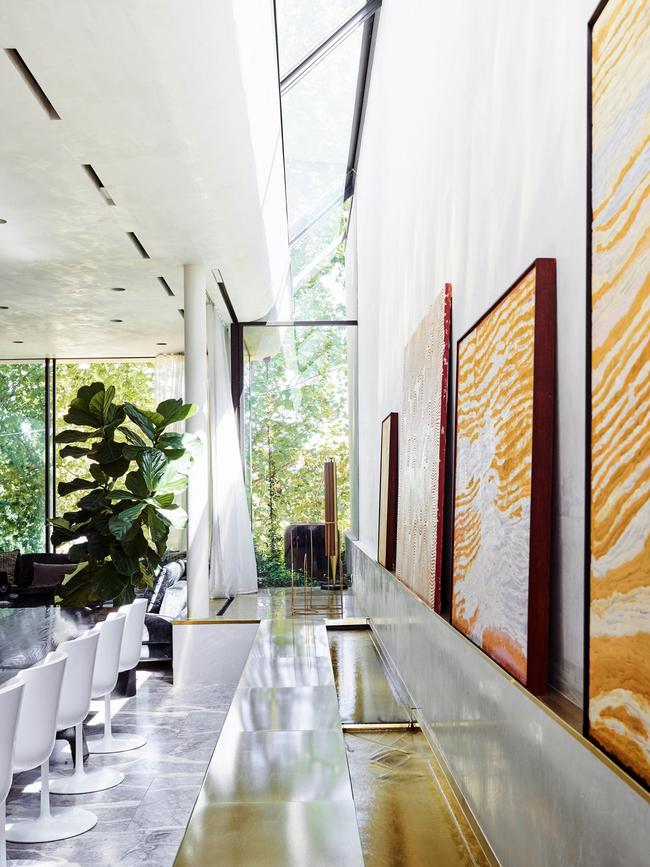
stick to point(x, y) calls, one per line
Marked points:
point(302, 27)
point(296, 417)
point(22, 456)
point(133, 381)
point(317, 114)
point(318, 268)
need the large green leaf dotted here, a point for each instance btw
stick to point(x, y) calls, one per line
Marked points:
point(95, 501)
point(73, 452)
point(124, 564)
point(164, 501)
point(139, 418)
point(176, 516)
point(155, 418)
point(106, 452)
point(100, 403)
point(65, 488)
point(117, 494)
point(98, 545)
point(80, 416)
point(158, 525)
point(152, 463)
point(134, 438)
point(170, 440)
point(126, 595)
point(98, 474)
point(75, 590)
point(107, 583)
point(75, 436)
point(172, 481)
point(175, 410)
point(78, 553)
point(116, 468)
point(86, 392)
point(136, 546)
point(120, 524)
point(136, 484)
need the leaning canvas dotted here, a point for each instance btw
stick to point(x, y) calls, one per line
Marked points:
point(618, 478)
point(422, 439)
point(503, 473)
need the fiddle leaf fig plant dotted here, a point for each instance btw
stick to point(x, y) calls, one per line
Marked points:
point(126, 508)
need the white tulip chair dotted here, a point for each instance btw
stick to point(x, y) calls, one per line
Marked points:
point(74, 706)
point(104, 678)
point(129, 657)
point(35, 736)
point(11, 695)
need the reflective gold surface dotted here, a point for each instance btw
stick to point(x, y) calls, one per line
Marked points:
point(404, 818)
point(364, 691)
point(277, 790)
point(278, 766)
point(542, 794)
point(290, 834)
point(295, 709)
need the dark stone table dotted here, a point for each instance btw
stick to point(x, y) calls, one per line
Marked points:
point(27, 635)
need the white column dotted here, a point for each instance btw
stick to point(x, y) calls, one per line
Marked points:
point(196, 391)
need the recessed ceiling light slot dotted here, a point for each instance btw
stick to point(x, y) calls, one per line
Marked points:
point(97, 182)
point(166, 286)
point(138, 245)
point(181, 310)
point(30, 80)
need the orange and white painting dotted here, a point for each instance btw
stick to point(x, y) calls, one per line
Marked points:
point(619, 585)
point(422, 439)
point(492, 501)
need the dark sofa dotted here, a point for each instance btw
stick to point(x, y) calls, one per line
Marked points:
point(36, 585)
point(167, 602)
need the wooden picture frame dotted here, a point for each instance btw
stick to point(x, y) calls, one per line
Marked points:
point(617, 534)
point(523, 654)
point(388, 484)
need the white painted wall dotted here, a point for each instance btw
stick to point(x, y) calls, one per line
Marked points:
point(473, 163)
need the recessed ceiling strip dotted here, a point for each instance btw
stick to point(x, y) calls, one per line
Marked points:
point(138, 245)
point(166, 286)
point(30, 80)
point(97, 182)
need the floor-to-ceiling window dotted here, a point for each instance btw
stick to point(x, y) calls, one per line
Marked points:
point(34, 398)
point(133, 381)
point(298, 363)
point(22, 455)
point(296, 399)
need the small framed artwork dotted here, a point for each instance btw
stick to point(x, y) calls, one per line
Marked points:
point(617, 521)
point(505, 392)
point(388, 476)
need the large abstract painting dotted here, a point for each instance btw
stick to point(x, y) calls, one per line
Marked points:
point(503, 473)
point(618, 493)
point(422, 438)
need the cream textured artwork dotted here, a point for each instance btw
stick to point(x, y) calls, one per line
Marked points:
point(619, 627)
point(493, 479)
point(422, 438)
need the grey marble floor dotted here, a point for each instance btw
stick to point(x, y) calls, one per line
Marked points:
point(141, 821)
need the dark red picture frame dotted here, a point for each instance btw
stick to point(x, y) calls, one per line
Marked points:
point(543, 423)
point(388, 496)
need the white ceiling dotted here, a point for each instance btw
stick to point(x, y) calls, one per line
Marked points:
point(176, 107)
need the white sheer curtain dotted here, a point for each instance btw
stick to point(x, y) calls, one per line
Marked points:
point(169, 376)
point(169, 382)
point(232, 557)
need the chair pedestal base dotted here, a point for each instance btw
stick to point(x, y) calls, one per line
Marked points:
point(60, 825)
point(96, 780)
point(111, 743)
